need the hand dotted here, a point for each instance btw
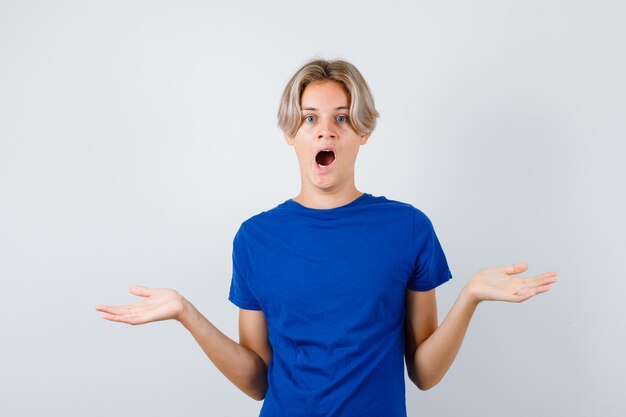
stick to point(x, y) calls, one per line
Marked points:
point(499, 284)
point(160, 304)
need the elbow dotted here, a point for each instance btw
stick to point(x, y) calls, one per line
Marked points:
point(256, 392)
point(259, 396)
point(424, 383)
point(424, 386)
point(257, 388)
point(424, 378)
point(255, 385)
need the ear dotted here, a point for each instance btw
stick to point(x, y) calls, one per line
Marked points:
point(364, 138)
point(288, 139)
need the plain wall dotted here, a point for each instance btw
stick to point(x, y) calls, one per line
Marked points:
point(136, 136)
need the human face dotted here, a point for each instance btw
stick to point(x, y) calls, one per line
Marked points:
point(326, 126)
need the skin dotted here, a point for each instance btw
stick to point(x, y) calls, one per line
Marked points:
point(325, 121)
point(430, 347)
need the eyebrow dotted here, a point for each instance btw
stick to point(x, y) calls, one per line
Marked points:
point(336, 108)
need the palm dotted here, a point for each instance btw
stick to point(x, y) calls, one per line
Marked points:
point(159, 304)
point(500, 284)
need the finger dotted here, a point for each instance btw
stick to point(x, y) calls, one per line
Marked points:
point(127, 318)
point(140, 291)
point(113, 317)
point(514, 269)
point(114, 309)
point(542, 289)
point(528, 293)
point(540, 280)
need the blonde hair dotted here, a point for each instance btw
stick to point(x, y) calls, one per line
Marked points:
point(363, 113)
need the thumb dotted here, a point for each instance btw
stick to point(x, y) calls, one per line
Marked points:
point(514, 269)
point(140, 291)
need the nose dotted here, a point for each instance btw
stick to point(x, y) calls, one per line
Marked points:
point(326, 130)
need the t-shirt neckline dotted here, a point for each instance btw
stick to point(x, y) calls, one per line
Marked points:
point(356, 202)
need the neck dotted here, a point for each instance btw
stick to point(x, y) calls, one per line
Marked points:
point(327, 199)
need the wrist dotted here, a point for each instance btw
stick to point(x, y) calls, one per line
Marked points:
point(468, 296)
point(187, 311)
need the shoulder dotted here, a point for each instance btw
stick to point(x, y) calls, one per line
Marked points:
point(413, 217)
point(402, 207)
point(265, 219)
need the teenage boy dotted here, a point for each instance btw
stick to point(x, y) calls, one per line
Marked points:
point(336, 287)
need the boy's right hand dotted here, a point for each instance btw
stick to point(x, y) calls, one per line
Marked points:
point(160, 304)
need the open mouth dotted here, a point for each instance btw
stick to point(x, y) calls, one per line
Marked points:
point(325, 157)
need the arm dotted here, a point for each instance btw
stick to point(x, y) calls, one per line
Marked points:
point(431, 349)
point(244, 364)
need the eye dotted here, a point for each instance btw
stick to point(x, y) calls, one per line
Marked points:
point(342, 118)
point(310, 118)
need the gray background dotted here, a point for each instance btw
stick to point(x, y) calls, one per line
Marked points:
point(135, 137)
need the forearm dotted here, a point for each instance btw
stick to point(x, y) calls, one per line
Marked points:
point(242, 366)
point(434, 356)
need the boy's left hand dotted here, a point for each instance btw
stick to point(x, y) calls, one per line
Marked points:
point(500, 284)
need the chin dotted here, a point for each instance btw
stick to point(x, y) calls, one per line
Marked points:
point(322, 183)
point(326, 186)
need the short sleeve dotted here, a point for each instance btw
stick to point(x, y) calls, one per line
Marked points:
point(431, 267)
point(240, 293)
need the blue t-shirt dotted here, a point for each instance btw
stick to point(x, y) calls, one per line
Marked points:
point(331, 284)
